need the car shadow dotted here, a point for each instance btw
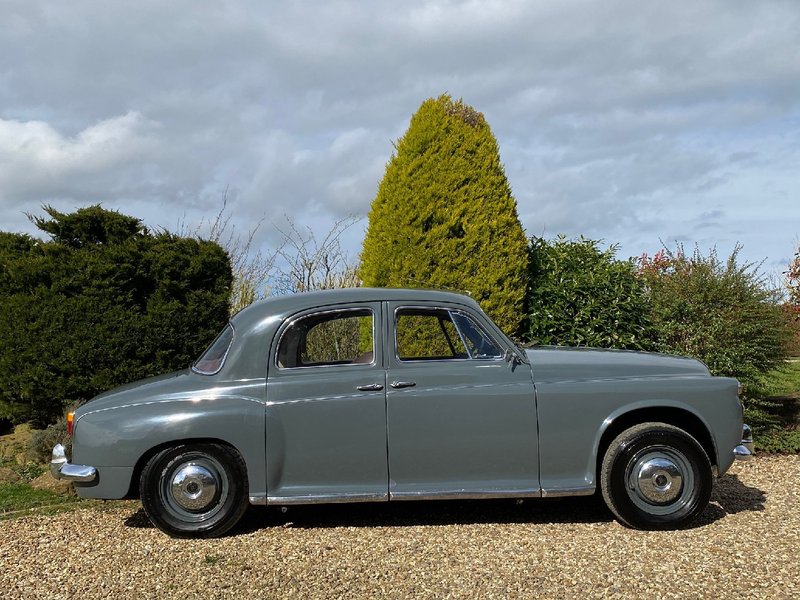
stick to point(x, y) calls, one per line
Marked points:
point(138, 520)
point(588, 509)
point(730, 496)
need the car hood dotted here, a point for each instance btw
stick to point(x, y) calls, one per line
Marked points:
point(573, 364)
point(162, 386)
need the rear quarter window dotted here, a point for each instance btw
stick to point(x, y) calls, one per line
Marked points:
point(211, 361)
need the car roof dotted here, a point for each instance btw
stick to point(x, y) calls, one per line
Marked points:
point(281, 306)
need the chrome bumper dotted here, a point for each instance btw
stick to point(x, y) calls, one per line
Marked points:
point(744, 451)
point(62, 469)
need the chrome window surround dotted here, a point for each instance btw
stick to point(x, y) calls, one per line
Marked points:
point(291, 322)
point(448, 311)
point(224, 356)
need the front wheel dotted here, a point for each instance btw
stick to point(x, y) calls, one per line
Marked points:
point(194, 490)
point(656, 476)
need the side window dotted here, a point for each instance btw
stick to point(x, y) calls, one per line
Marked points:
point(332, 338)
point(427, 334)
point(478, 342)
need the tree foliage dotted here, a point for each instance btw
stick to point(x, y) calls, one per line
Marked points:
point(104, 302)
point(579, 295)
point(444, 215)
point(720, 311)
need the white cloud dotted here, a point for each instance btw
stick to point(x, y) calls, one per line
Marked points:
point(36, 160)
point(621, 120)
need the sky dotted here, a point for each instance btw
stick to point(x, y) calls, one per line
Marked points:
point(632, 122)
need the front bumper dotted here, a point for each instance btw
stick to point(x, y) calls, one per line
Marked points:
point(61, 468)
point(745, 451)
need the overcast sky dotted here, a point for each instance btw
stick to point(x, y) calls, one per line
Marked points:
point(633, 122)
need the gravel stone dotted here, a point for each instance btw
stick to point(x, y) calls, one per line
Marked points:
point(745, 544)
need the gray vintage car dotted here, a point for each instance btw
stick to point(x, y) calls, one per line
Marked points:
point(382, 394)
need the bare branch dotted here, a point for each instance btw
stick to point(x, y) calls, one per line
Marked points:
point(313, 264)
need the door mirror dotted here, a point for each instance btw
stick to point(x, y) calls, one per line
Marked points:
point(510, 357)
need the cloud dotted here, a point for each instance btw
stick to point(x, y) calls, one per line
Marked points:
point(621, 120)
point(37, 161)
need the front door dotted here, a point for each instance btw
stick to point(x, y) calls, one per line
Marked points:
point(461, 419)
point(326, 408)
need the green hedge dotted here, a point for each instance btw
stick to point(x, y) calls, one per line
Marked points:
point(104, 302)
point(580, 295)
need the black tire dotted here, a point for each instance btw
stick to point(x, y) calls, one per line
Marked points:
point(656, 476)
point(195, 490)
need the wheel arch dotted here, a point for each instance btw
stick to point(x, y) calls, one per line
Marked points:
point(671, 415)
point(133, 489)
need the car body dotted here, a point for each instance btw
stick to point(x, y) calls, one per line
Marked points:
point(384, 394)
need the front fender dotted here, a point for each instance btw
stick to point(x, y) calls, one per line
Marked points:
point(574, 415)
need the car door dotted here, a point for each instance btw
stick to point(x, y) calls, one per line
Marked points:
point(326, 409)
point(461, 419)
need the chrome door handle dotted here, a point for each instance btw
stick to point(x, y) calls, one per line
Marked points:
point(370, 387)
point(403, 384)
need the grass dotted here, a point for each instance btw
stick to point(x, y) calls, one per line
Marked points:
point(785, 382)
point(783, 390)
point(16, 498)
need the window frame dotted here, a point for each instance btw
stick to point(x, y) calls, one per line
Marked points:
point(290, 322)
point(448, 310)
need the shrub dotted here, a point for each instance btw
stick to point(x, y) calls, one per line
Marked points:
point(793, 305)
point(779, 441)
point(42, 442)
point(444, 216)
point(104, 302)
point(793, 281)
point(580, 295)
point(721, 312)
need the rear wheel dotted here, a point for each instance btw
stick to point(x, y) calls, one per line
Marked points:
point(656, 476)
point(197, 490)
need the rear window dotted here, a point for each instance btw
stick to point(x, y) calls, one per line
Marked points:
point(211, 361)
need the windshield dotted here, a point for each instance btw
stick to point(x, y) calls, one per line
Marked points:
point(210, 362)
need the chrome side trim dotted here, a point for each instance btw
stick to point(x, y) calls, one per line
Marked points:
point(465, 495)
point(258, 499)
point(60, 468)
point(573, 491)
point(326, 499)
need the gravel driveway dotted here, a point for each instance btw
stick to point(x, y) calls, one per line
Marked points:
point(747, 544)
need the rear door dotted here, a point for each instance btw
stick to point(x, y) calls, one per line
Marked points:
point(461, 420)
point(326, 409)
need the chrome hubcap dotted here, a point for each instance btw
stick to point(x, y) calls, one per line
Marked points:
point(194, 487)
point(659, 480)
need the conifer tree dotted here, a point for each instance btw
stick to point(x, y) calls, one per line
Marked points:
point(444, 216)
